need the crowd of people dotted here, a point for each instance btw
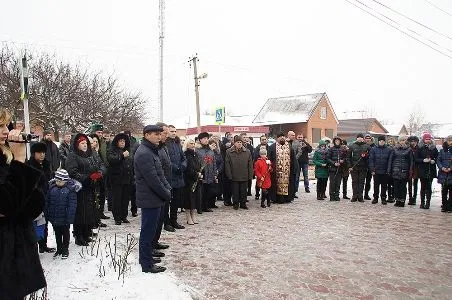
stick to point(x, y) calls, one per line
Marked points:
point(165, 175)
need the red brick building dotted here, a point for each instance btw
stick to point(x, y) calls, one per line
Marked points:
point(312, 115)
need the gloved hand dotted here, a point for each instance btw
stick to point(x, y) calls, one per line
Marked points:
point(95, 176)
point(432, 161)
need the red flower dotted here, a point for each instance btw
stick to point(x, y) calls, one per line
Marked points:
point(208, 160)
point(364, 154)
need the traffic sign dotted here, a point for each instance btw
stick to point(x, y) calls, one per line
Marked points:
point(220, 115)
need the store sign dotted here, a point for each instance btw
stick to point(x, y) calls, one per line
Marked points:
point(241, 129)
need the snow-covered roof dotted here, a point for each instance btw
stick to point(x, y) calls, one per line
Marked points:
point(438, 130)
point(353, 126)
point(283, 110)
point(395, 129)
point(190, 121)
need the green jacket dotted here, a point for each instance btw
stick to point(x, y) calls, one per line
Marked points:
point(320, 158)
point(103, 151)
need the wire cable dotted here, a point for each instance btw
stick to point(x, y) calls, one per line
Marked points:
point(412, 20)
point(439, 8)
point(398, 29)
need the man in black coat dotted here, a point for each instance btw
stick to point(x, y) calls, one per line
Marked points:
point(263, 144)
point(358, 162)
point(52, 153)
point(303, 161)
point(226, 143)
point(378, 165)
point(38, 161)
point(65, 148)
point(247, 144)
point(369, 141)
point(153, 191)
point(133, 148)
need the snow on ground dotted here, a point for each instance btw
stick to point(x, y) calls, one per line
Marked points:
point(78, 276)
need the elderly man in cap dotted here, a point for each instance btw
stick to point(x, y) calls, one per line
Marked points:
point(239, 170)
point(52, 153)
point(358, 162)
point(152, 192)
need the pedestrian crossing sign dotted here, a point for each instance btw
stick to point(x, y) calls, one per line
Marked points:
point(219, 115)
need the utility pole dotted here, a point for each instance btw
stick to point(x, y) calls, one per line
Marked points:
point(194, 60)
point(161, 37)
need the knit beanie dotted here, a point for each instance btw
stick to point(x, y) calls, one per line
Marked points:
point(382, 138)
point(62, 175)
point(360, 135)
point(426, 135)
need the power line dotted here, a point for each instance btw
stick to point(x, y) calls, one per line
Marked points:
point(412, 20)
point(439, 8)
point(398, 29)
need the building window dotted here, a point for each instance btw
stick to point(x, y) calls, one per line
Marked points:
point(316, 135)
point(329, 133)
point(323, 113)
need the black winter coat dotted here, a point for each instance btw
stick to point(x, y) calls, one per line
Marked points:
point(80, 165)
point(52, 155)
point(21, 272)
point(44, 168)
point(193, 167)
point(64, 152)
point(359, 156)
point(336, 154)
point(426, 170)
point(304, 156)
point(119, 167)
point(165, 162)
point(178, 163)
point(379, 159)
point(445, 161)
point(152, 188)
point(400, 165)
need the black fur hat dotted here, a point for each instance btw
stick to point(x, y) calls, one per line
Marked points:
point(38, 148)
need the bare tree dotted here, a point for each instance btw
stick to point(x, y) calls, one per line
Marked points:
point(415, 120)
point(68, 97)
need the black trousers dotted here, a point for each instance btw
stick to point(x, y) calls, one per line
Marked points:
point(220, 186)
point(177, 194)
point(446, 197)
point(161, 220)
point(133, 198)
point(412, 187)
point(344, 184)
point(358, 179)
point(102, 194)
point(368, 180)
point(208, 195)
point(426, 188)
point(265, 197)
point(335, 184)
point(227, 189)
point(257, 190)
point(390, 188)
point(62, 237)
point(380, 181)
point(82, 230)
point(250, 183)
point(239, 192)
point(121, 196)
point(321, 185)
point(400, 189)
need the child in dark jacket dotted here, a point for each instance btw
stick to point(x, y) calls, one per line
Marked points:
point(61, 205)
point(262, 170)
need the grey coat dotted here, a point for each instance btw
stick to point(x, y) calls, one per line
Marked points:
point(210, 165)
point(239, 165)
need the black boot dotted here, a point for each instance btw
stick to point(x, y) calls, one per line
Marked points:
point(412, 201)
point(263, 203)
point(422, 206)
point(427, 204)
point(366, 197)
point(319, 196)
point(80, 241)
point(345, 197)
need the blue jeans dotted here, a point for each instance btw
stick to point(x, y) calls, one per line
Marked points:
point(303, 168)
point(149, 220)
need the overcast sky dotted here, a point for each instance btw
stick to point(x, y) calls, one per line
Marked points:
point(253, 50)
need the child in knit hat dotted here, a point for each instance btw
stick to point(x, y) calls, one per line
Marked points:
point(61, 205)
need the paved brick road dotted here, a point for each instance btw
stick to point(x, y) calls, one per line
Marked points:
point(314, 249)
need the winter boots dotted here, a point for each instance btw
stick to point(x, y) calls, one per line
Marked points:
point(399, 203)
point(412, 201)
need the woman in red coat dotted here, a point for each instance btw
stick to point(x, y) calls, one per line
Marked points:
point(262, 170)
